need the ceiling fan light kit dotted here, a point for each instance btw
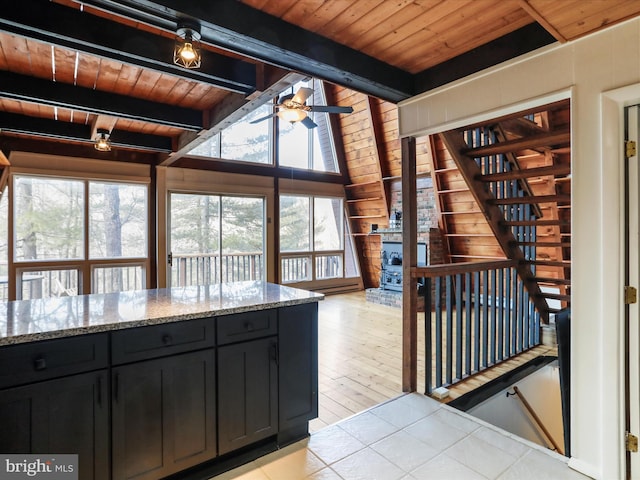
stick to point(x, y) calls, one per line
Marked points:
point(293, 108)
point(186, 52)
point(292, 115)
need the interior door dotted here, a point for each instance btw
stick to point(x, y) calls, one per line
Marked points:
point(632, 278)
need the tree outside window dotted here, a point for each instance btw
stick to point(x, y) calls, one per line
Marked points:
point(311, 238)
point(66, 228)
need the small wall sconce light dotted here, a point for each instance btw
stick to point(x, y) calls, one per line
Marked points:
point(186, 52)
point(103, 144)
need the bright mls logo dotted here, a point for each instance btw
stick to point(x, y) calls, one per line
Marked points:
point(50, 467)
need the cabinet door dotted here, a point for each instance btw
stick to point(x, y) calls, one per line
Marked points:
point(247, 393)
point(298, 359)
point(163, 415)
point(64, 416)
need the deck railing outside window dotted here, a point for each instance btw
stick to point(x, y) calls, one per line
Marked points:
point(209, 268)
point(297, 267)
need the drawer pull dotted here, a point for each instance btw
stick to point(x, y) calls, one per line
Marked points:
point(40, 364)
point(167, 340)
point(248, 326)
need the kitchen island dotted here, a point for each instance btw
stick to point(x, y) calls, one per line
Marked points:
point(153, 383)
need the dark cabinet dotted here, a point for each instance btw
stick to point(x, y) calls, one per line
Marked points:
point(69, 415)
point(163, 415)
point(247, 393)
point(298, 370)
point(149, 402)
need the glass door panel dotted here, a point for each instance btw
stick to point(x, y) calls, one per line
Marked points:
point(194, 239)
point(216, 239)
point(242, 239)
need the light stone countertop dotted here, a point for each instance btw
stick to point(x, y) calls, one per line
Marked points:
point(26, 321)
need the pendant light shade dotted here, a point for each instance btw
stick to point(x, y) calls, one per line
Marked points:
point(186, 52)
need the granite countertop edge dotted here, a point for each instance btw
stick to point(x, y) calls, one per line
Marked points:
point(69, 332)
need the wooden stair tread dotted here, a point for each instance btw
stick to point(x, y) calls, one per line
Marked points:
point(368, 199)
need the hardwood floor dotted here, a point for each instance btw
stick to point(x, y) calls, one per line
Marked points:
point(360, 358)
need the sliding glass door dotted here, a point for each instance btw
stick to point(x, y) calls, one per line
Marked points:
point(215, 238)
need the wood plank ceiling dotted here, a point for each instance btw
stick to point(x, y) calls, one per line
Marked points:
point(68, 67)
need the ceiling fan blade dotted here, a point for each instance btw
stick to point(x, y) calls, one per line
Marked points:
point(302, 94)
point(330, 109)
point(307, 122)
point(284, 98)
point(263, 118)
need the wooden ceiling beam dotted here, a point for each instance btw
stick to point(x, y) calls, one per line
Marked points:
point(69, 28)
point(232, 109)
point(247, 31)
point(52, 146)
point(541, 19)
point(77, 132)
point(58, 94)
point(523, 40)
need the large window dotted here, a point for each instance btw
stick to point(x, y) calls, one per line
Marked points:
point(243, 141)
point(297, 146)
point(308, 148)
point(75, 236)
point(216, 238)
point(312, 239)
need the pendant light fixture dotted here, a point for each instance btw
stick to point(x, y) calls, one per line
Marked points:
point(186, 52)
point(103, 144)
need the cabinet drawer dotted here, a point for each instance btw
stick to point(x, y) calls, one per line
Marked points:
point(142, 343)
point(47, 359)
point(247, 326)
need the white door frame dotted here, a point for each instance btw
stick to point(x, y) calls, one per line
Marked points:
point(613, 133)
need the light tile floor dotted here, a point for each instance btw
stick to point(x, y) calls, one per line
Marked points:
point(412, 437)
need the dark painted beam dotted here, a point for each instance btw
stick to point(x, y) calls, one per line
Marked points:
point(66, 27)
point(245, 30)
point(9, 143)
point(44, 127)
point(56, 94)
point(220, 165)
point(523, 40)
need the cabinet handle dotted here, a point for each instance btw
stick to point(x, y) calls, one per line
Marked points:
point(167, 340)
point(99, 391)
point(40, 363)
point(275, 353)
point(248, 326)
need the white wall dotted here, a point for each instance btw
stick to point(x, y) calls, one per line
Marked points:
point(587, 71)
point(541, 389)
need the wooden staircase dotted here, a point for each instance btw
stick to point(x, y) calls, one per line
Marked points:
point(503, 188)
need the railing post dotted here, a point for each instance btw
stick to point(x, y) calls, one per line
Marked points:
point(428, 360)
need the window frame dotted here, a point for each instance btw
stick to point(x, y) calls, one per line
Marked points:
point(313, 190)
point(220, 195)
point(86, 171)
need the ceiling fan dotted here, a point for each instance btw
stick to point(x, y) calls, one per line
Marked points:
point(293, 108)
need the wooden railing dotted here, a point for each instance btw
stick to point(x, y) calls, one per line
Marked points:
point(477, 314)
point(208, 268)
point(297, 267)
